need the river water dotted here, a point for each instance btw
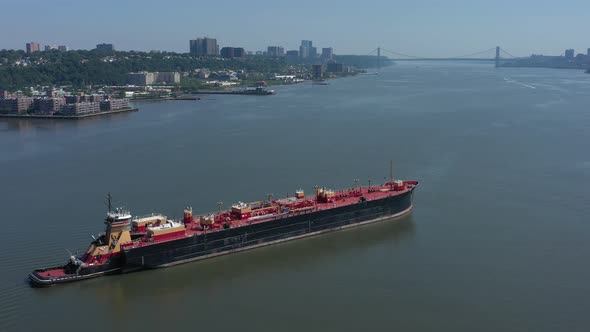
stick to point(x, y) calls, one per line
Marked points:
point(497, 241)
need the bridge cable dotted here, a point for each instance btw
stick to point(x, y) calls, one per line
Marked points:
point(372, 51)
point(506, 52)
point(401, 54)
point(472, 54)
point(423, 58)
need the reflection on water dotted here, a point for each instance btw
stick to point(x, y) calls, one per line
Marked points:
point(168, 283)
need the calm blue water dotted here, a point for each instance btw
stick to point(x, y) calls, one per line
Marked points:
point(498, 240)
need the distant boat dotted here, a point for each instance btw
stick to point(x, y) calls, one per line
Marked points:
point(374, 73)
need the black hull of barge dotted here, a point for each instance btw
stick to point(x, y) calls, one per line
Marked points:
point(262, 234)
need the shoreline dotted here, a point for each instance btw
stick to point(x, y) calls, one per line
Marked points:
point(195, 94)
point(66, 117)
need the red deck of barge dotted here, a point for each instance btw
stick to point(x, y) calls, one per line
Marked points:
point(342, 198)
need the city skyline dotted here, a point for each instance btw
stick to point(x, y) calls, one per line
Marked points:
point(424, 29)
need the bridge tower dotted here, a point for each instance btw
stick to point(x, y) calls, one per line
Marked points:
point(378, 57)
point(497, 56)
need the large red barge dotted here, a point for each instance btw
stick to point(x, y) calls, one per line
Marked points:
point(131, 244)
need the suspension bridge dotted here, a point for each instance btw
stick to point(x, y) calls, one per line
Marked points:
point(496, 54)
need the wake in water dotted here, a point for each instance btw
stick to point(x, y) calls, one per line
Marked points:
point(515, 82)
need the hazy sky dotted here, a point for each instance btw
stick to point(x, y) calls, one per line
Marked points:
point(423, 28)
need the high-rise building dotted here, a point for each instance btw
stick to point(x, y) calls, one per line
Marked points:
point(62, 48)
point(305, 50)
point(569, 53)
point(588, 52)
point(167, 77)
point(239, 52)
point(149, 78)
point(306, 43)
point(204, 47)
point(292, 55)
point(327, 53)
point(313, 52)
point(33, 47)
point(233, 52)
point(275, 51)
point(140, 78)
point(105, 47)
point(50, 47)
point(317, 72)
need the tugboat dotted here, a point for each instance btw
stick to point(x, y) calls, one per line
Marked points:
point(104, 255)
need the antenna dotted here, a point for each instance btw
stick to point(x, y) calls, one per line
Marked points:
point(391, 170)
point(391, 173)
point(108, 203)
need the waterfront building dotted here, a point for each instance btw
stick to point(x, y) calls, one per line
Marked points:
point(105, 47)
point(49, 105)
point(317, 72)
point(275, 51)
point(81, 108)
point(33, 47)
point(114, 104)
point(569, 53)
point(204, 47)
point(334, 67)
point(97, 98)
point(18, 104)
point(233, 52)
point(72, 99)
point(327, 53)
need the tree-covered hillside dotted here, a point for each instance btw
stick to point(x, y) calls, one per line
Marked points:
point(79, 68)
